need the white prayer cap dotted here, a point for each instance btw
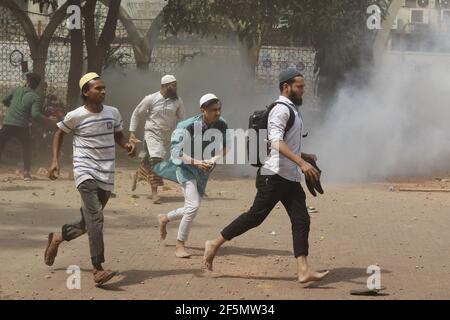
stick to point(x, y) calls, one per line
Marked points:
point(207, 97)
point(168, 79)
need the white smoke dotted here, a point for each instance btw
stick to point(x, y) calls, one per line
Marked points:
point(398, 126)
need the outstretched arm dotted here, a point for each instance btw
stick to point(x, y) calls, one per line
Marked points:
point(58, 138)
point(143, 106)
point(122, 141)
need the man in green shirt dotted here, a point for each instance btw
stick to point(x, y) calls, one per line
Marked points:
point(23, 103)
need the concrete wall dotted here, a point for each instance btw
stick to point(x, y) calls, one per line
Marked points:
point(432, 16)
point(416, 60)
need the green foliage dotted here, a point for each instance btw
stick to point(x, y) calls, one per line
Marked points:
point(247, 19)
point(51, 3)
point(336, 29)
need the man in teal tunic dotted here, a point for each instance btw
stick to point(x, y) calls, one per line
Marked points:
point(190, 165)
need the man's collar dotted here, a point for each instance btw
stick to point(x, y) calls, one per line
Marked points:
point(205, 126)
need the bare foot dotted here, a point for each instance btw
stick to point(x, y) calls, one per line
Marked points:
point(51, 251)
point(180, 252)
point(162, 218)
point(156, 200)
point(208, 256)
point(312, 276)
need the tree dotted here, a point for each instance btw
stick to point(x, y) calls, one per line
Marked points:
point(76, 66)
point(248, 20)
point(38, 45)
point(45, 4)
point(97, 50)
point(142, 46)
point(335, 29)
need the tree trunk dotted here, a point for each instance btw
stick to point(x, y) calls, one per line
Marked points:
point(108, 34)
point(76, 68)
point(151, 38)
point(253, 58)
point(142, 61)
point(252, 54)
point(89, 32)
point(39, 60)
point(97, 52)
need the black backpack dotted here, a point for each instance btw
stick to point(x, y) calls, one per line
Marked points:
point(259, 121)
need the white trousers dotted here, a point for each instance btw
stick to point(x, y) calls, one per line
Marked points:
point(188, 212)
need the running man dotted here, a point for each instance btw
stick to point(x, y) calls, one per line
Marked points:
point(279, 179)
point(96, 129)
point(192, 170)
point(163, 110)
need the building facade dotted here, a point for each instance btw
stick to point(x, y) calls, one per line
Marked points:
point(422, 25)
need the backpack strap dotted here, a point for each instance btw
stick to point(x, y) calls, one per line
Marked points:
point(291, 119)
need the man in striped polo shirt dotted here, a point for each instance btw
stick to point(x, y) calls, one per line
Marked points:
point(96, 129)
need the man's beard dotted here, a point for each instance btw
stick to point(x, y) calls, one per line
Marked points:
point(172, 95)
point(298, 101)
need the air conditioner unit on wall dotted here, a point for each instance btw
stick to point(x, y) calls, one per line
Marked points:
point(423, 3)
point(410, 3)
point(419, 3)
point(445, 15)
point(419, 16)
point(444, 4)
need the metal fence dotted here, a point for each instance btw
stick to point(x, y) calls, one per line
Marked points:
point(272, 59)
point(14, 51)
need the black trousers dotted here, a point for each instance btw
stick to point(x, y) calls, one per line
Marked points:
point(23, 135)
point(272, 189)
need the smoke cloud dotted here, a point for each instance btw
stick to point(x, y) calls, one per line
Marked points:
point(396, 126)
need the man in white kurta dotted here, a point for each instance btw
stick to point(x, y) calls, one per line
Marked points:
point(162, 111)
